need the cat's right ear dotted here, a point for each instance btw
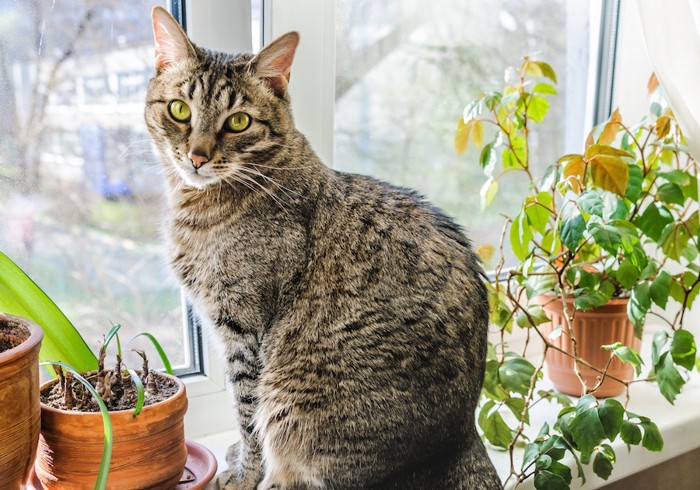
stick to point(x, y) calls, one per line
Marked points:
point(274, 62)
point(172, 43)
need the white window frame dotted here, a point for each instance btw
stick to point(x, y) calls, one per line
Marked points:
point(225, 25)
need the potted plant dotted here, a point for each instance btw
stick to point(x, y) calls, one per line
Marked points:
point(142, 414)
point(598, 237)
point(100, 425)
point(20, 341)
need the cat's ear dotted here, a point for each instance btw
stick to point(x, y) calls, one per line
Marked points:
point(172, 43)
point(274, 62)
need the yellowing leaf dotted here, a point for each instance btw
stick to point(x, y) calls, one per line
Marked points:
point(595, 150)
point(477, 133)
point(653, 83)
point(547, 70)
point(488, 192)
point(611, 128)
point(574, 166)
point(485, 253)
point(663, 126)
point(462, 135)
point(531, 68)
point(610, 173)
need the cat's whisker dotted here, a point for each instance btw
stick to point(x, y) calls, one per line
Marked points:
point(271, 180)
point(268, 191)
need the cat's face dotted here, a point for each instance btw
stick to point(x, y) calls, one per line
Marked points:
point(217, 118)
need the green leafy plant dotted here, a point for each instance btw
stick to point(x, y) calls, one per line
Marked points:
point(74, 363)
point(611, 222)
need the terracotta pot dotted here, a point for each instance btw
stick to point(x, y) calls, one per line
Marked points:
point(601, 326)
point(149, 450)
point(19, 399)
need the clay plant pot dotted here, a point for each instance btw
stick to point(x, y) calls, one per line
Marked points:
point(149, 450)
point(601, 326)
point(19, 398)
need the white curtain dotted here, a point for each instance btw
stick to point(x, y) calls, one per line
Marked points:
point(672, 35)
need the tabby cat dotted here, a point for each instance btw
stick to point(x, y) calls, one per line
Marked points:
point(352, 313)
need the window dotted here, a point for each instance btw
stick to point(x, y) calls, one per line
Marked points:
point(80, 190)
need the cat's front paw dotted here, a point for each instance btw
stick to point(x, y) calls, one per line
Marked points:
point(232, 480)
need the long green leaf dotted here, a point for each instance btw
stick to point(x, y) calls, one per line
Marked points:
point(20, 295)
point(103, 472)
point(156, 344)
point(140, 397)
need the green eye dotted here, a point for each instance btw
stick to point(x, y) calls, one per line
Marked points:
point(237, 123)
point(179, 110)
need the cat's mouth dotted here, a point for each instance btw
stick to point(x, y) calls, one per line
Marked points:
point(196, 177)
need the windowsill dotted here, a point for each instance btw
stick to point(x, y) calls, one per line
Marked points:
point(679, 425)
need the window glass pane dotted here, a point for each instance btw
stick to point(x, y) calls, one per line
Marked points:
point(80, 190)
point(407, 68)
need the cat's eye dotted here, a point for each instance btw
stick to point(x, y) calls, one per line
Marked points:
point(237, 123)
point(179, 110)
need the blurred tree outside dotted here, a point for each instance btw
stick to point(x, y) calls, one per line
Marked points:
point(80, 193)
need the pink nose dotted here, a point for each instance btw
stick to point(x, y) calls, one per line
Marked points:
point(197, 159)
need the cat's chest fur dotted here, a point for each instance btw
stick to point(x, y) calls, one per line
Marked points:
point(239, 266)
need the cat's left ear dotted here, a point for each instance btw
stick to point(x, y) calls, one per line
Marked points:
point(274, 62)
point(172, 43)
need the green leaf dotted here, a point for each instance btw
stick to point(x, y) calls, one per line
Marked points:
point(671, 193)
point(488, 159)
point(591, 202)
point(537, 316)
point(517, 406)
point(496, 430)
point(515, 375)
point(653, 220)
point(561, 469)
point(614, 208)
point(520, 236)
point(161, 353)
point(492, 99)
point(537, 108)
point(683, 349)
point(488, 192)
point(602, 466)
point(626, 354)
point(630, 433)
point(544, 89)
point(140, 392)
point(590, 301)
point(634, 184)
point(652, 439)
point(604, 235)
point(660, 289)
point(658, 346)
point(555, 396)
point(627, 274)
point(639, 304)
point(537, 209)
point(668, 378)
point(572, 227)
point(20, 295)
point(611, 414)
point(674, 238)
point(586, 428)
point(539, 284)
point(546, 480)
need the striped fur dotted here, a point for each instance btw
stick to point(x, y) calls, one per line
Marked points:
point(351, 313)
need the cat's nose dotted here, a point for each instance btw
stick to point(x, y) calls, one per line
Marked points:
point(197, 158)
